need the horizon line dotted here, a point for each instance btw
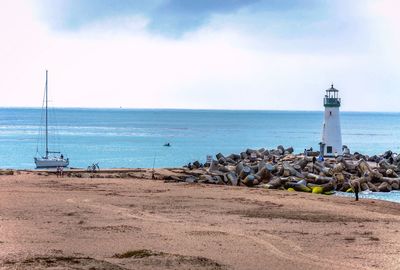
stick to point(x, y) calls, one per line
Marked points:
point(186, 109)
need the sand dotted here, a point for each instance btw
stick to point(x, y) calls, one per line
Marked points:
point(78, 223)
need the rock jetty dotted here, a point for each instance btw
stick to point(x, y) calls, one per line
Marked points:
point(277, 168)
point(280, 168)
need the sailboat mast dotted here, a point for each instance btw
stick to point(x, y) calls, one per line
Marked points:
point(47, 137)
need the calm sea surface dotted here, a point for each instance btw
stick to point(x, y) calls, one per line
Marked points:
point(118, 138)
point(135, 138)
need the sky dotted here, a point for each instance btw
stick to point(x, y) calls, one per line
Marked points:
point(200, 54)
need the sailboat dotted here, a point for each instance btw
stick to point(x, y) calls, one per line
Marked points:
point(50, 160)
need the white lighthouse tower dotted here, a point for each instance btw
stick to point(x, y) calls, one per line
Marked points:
point(331, 133)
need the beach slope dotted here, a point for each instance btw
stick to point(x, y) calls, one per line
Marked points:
point(97, 223)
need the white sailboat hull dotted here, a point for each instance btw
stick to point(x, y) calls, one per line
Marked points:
point(51, 162)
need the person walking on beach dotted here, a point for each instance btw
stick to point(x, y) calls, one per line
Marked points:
point(58, 171)
point(355, 186)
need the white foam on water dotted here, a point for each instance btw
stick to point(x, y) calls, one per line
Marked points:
point(393, 196)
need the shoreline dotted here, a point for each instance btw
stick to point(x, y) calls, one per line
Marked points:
point(178, 174)
point(137, 223)
point(392, 196)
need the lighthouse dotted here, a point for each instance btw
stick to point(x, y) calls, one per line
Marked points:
point(331, 132)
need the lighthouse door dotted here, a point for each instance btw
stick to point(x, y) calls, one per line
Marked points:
point(329, 149)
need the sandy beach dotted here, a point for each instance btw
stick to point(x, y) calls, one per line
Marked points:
point(96, 223)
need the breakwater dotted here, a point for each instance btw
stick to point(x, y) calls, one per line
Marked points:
point(280, 168)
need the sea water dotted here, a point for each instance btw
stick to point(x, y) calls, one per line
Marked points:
point(393, 196)
point(118, 138)
point(130, 138)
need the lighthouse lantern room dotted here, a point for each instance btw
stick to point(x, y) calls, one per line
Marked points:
point(331, 133)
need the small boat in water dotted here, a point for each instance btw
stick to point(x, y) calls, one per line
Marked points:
point(50, 159)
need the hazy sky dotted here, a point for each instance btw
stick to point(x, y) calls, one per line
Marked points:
point(211, 54)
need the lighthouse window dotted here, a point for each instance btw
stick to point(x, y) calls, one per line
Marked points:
point(330, 113)
point(329, 149)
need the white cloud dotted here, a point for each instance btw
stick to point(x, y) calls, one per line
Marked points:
point(118, 63)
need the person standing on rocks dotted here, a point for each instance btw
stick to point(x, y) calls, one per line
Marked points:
point(314, 159)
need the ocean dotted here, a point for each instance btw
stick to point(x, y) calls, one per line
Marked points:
point(131, 138)
point(117, 138)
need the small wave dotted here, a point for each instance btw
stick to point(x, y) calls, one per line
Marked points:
point(109, 134)
point(176, 128)
point(367, 134)
point(385, 196)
